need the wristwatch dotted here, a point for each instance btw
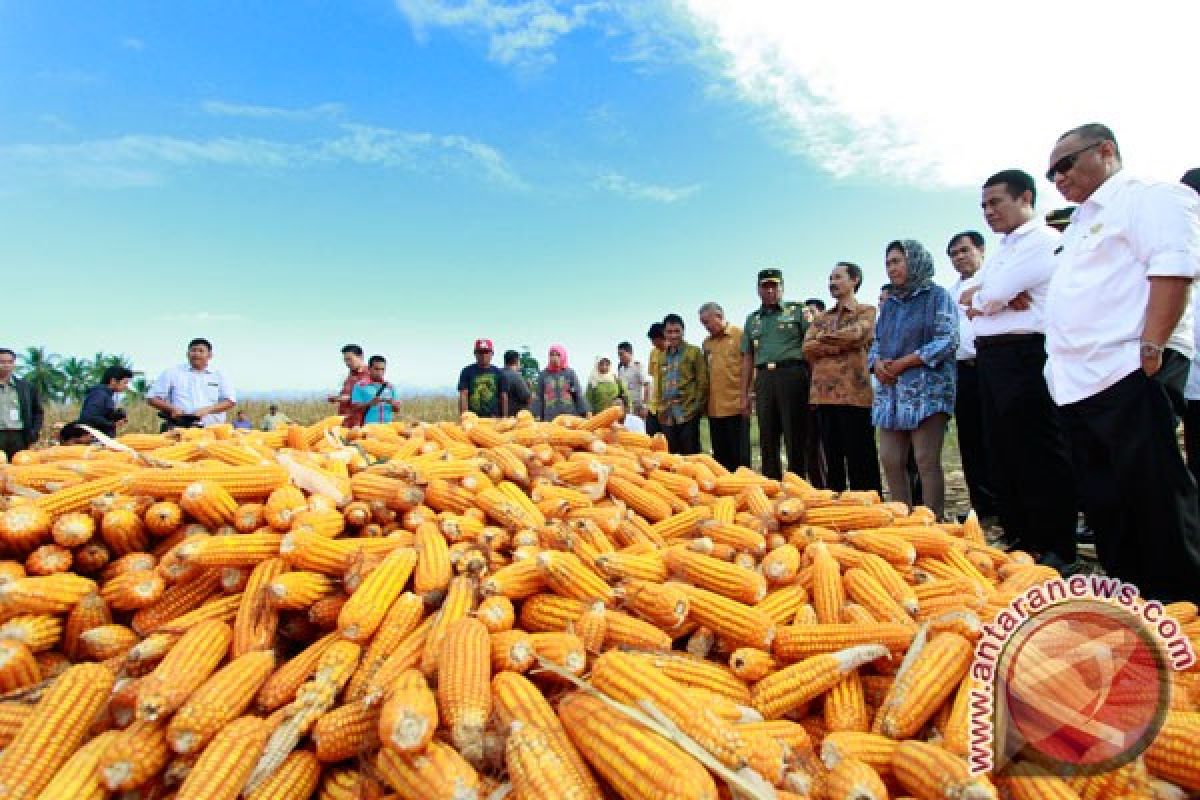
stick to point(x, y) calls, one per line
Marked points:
point(1151, 350)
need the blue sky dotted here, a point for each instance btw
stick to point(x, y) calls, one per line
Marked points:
point(410, 174)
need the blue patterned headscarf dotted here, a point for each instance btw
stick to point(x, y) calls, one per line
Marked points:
point(920, 267)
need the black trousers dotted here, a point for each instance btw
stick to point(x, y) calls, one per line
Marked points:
point(12, 442)
point(1029, 459)
point(968, 419)
point(851, 457)
point(683, 439)
point(815, 461)
point(1191, 437)
point(1139, 496)
point(730, 438)
point(652, 424)
point(781, 402)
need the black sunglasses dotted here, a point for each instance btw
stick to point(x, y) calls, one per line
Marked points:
point(1064, 164)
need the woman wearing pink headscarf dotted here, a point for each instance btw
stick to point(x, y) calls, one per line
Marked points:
point(558, 390)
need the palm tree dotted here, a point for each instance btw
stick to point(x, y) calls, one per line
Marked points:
point(78, 374)
point(41, 370)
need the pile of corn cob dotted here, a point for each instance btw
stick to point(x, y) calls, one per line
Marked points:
point(494, 608)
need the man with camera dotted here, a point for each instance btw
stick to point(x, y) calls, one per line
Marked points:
point(192, 395)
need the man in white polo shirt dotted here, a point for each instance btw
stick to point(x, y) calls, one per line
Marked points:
point(192, 393)
point(1031, 464)
point(1119, 338)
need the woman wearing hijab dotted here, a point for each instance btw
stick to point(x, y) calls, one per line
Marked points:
point(558, 390)
point(913, 359)
point(604, 386)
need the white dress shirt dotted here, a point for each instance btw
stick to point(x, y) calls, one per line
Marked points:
point(966, 329)
point(189, 389)
point(1024, 262)
point(1192, 390)
point(1128, 231)
point(634, 423)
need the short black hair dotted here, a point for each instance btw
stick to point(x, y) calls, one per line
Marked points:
point(1192, 178)
point(115, 374)
point(373, 360)
point(975, 237)
point(895, 244)
point(657, 331)
point(511, 357)
point(352, 348)
point(625, 346)
point(72, 430)
point(854, 271)
point(815, 301)
point(202, 341)
point(1016, 182)
point(4, 351)
point(672, 319)
point(1094, 133)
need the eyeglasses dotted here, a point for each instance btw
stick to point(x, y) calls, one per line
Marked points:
point(1064, 164)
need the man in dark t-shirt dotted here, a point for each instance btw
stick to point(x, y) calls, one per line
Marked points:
point(515, 385)
point(481, 386)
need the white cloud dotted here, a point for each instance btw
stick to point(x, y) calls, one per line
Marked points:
point(944, 93)
point(521, 33)
point(133, 43)
point(619, 184)
point(221, 108)
point(145, 160)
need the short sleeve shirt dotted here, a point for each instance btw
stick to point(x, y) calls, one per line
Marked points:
point(366, 392)
point(189, 389)
point(635, 381)
point(775, 334)
point(483, 386)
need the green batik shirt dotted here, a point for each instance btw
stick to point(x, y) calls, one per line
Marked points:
point(683, 378)
point(775, 334)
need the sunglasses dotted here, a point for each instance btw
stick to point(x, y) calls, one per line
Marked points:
point(1064, 164)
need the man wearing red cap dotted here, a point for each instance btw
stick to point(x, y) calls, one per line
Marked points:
point(481, 385)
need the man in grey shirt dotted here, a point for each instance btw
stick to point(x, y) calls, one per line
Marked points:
point(633, 375)
point(515, 385)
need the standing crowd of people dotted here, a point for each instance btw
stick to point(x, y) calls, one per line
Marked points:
point(1065, 356)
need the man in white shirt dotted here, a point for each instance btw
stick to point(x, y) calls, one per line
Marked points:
point(1119, 337)
point(192, 393)
point(633, 375)
point(966, 254)
point(1031, 464)
point(1191, 393)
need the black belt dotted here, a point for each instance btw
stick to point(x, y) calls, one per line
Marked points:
point(787, 362)
point(1008, 338)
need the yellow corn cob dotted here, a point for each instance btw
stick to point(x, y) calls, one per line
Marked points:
point(433, 569)
point(218, 608)
point(845, 706)
point(698, 673)
point(73, 530)
point(218, 701)
point(870, 748)
point(299, 590)
point(38, 632)
point(512, 650)
point(362, 614)
point(1171, 756)
point(852, 779)
point(54, 731)
point(592, 628)
point(107, 641)
point(738, 537)
point(209, 503)
point(459, 602)
point(794, 686)
point(537, 768)
point(327, 522)
point(227, 762)
point(188, 664)
point(496, 613)
point(849, 518)
point(406, 655)
point(927, 681)
point(242, 483)
point(130, 562)
point(741, 624)
point(409, 716)
point(718, 576)
point(247, 549)
point(133, 590)
point(78, 778)
point(437, 773)
point(402, 618)
point(862, 588)
point(464, 685)
point(348, 731)
point(890, 547)
point(256, 621)
point(47, 594)
point(606, 738)
point(928, 771)
point(280, 689)
point(796, 642)
point(296, 777)
point(176, 601)
point(515, 581)
point(568, 576)
point(829, 593)
point(1025, 780)
point(49, 559)
point(348, 783)
point(134, 757)
point(782, 604)
point(751, 665)
point(13, 715)
point(781, 566)
point(18, 668)
point(642, 566)
point(77, 497)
